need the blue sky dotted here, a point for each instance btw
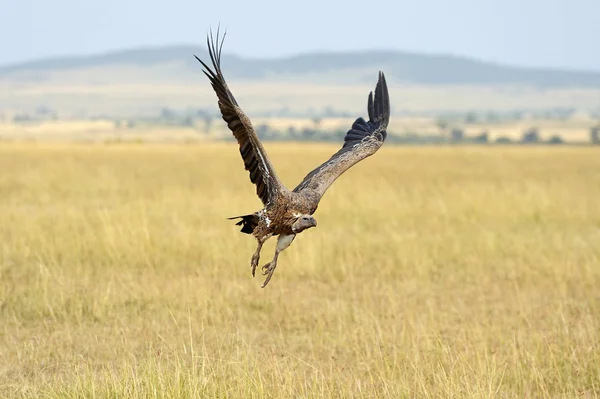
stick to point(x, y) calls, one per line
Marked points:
point(545, 33)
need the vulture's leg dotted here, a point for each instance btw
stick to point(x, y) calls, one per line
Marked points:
point(283, 241)
point(256, 256)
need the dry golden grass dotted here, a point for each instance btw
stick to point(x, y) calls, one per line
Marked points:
point(434, 272)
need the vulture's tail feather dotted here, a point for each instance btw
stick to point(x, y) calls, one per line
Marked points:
point(248, 222)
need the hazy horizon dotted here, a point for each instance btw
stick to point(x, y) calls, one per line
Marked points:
point(537, 34)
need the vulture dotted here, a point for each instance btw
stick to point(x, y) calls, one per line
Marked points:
point(288, 213)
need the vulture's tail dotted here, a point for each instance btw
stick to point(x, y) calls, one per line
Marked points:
point(248, 222)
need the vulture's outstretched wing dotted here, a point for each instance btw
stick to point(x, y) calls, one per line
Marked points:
point(361, 141)
point(256, 161)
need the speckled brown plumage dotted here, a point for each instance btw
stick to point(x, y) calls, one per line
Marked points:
point(287, 213)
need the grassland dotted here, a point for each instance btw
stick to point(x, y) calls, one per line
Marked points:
point(434, 272)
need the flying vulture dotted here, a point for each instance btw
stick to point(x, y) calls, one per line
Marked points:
point(287, 213)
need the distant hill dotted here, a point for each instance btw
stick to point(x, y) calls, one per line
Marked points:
point(177, 62)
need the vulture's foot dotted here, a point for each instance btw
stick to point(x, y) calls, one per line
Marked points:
point(254, 263)
point(268, 270)
point(256, 255)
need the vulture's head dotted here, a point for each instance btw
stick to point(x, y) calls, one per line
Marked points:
point(303, 222)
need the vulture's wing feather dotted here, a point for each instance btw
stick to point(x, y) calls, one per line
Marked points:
point(361, 141)
point(256, 161)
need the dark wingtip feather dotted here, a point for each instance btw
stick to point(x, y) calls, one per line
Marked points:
point(370, 106)
point(378, 108)
point(379, 111)
point(214, 44)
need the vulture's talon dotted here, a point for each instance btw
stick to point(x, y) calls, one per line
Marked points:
point(268, 278)
point(266, 269)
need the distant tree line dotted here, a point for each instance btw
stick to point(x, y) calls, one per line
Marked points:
point(492, 117)
point(199, 119)
point(40, 114)
point(456, 136)
point(448, 125)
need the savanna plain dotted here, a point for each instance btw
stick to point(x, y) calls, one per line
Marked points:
point(434, 272)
